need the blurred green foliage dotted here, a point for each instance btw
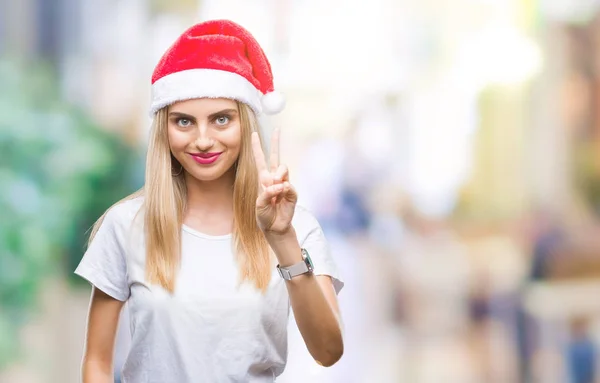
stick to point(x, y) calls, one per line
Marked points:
point(58, 172)
point(587, 173)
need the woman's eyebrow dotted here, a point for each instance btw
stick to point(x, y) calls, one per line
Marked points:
point(210, 116)
point(224, 111)
point(182, 115)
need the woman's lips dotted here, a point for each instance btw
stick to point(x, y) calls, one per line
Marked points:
point(205, 158)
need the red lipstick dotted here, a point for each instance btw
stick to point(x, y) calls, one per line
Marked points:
point(205, 158)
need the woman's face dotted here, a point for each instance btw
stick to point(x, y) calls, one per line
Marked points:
point(205, 136)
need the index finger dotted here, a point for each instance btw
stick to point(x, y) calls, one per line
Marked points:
point(259, 156)
point(274, 156)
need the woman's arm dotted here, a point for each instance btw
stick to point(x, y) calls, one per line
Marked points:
point(314, 302)
point(103, 320)
point(313, 298)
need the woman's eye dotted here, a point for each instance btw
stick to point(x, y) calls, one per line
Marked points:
point(184, 122)
point(222, 120)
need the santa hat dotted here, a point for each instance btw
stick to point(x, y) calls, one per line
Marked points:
point(216, 59)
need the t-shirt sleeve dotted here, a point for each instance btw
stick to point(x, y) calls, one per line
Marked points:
point(103, 264)
point(312, 239)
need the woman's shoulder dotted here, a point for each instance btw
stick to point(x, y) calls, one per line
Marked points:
point(125, 211)
point(303, 214)
point(304, 221)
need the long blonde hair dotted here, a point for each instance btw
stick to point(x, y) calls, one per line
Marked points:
point(164, 207)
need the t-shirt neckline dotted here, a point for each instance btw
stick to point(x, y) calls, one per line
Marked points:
point(205, 236)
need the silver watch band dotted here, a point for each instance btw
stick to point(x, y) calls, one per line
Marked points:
point(303, 267)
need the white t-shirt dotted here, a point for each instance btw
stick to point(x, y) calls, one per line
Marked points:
point(212, 329)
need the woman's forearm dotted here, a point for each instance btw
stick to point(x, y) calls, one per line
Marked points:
point(318, 323)
point(97, 372)
point(316, 318)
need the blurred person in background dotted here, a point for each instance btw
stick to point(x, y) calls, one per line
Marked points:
point(211, 253)
point(581, 353)
point(547, 236)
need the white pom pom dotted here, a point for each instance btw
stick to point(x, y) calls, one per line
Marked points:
point(273, 102)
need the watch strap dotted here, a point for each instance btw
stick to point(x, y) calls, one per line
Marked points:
point(299, 268)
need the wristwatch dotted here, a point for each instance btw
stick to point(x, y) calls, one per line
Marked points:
point(303, 267)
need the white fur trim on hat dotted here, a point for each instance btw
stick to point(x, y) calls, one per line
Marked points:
point(273, 102)
point(200, 83)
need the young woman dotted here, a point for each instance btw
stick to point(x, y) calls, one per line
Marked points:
point(213, 250)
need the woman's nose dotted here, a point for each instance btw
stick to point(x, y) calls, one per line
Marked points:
point(204, 142)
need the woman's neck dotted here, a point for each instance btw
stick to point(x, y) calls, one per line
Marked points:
point(210, 204)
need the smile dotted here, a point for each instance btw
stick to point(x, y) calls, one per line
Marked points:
point(205, 158)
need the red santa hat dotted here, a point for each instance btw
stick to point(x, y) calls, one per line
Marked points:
point(216, 59)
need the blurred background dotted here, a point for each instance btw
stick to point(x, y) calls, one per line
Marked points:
point(450, 149)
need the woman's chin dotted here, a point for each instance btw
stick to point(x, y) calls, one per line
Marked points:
point(208, 175)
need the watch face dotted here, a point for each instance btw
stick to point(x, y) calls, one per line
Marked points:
point(307, 260)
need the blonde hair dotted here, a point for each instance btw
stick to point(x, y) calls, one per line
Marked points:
point(165, 198)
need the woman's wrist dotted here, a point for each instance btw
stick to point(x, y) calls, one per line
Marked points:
point(285, 246)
